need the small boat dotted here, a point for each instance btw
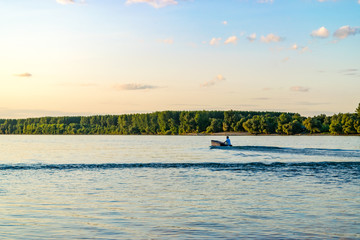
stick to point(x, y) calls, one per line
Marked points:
point(216, 143)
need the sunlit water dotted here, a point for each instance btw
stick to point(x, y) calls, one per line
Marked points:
point(177, 187)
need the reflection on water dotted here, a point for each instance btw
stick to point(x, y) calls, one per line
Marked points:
point(141, 187)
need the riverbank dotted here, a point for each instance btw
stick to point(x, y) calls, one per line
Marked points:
point(186, 123)
point(263, 134)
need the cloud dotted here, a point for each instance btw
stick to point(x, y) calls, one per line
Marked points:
point(154, 3)
point(133, 86)
point(299, 48)
point(65, 1)
point(215, 41)
point(311, 103)
point(261, 99)
point(320, 33)
point(23, 75)
point(87, 85)
point(168, 41)
point(299, 89)
point(27, 113)
point(350, 72)
point(71, 84)
point(252, 37)
point(271, 38)
point(232, 39)
point(265, 1)
point(305, 49)
point(346, 31)
point(218, 78)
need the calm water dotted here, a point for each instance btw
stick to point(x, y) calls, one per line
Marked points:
point(176, 187)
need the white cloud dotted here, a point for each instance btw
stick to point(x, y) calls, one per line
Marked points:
point(71, 84)
point(299, 89)
point(133, 86)
point(154, 3)
point(286, 59)
point(23, 75)
point(26, 113)
point(232, 39)
point(215, 41)
point(65, 1)
point(300, 48)
point(265, 1)
point(346, 31)
point(252, 37)
point(218, 78)
point(305, 49)
point(271, 38)
point(168, 41)
point(320, 33)
point(350, 72)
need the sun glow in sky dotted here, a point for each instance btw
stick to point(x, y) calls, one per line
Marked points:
point(86, 57)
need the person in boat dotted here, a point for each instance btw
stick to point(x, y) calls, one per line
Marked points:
point(227, 141)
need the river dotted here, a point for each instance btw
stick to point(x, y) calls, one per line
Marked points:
point(177, 187)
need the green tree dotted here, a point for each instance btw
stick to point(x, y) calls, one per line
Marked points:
point(283, 119)
point(239, 125)
point(182, 122)
point(187, 122)
point(202, 121)
point(357, 125)
point(163, 120)
point(124, 122)
point(173, 127)
point(291, 128)
point(268, 124)
point(313, 125)
point(348, 123)
point(230, 120)
point(253, 125)
point(335, 124)
point(215, 126)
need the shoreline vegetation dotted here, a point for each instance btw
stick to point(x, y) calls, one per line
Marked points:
point(188, 123)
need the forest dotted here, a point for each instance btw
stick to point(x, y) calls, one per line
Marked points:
point(188, 122)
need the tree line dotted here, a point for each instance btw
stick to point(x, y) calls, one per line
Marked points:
point(187, 122)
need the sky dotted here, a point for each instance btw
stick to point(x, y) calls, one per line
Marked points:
point(91, 57)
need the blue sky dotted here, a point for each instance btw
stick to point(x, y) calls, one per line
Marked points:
point(64, 57)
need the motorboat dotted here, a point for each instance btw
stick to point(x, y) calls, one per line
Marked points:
point(216, 143)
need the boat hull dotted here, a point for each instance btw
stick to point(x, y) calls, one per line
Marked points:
point(216, 143)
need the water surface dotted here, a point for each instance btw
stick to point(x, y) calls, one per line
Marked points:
point(161, 187)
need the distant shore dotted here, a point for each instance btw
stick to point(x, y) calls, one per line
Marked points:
point(219, 134)
point(216, 123)
point(263, 134)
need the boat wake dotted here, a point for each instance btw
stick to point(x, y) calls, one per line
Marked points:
point(334, 171)
point(302, 151)
point(205, 165)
